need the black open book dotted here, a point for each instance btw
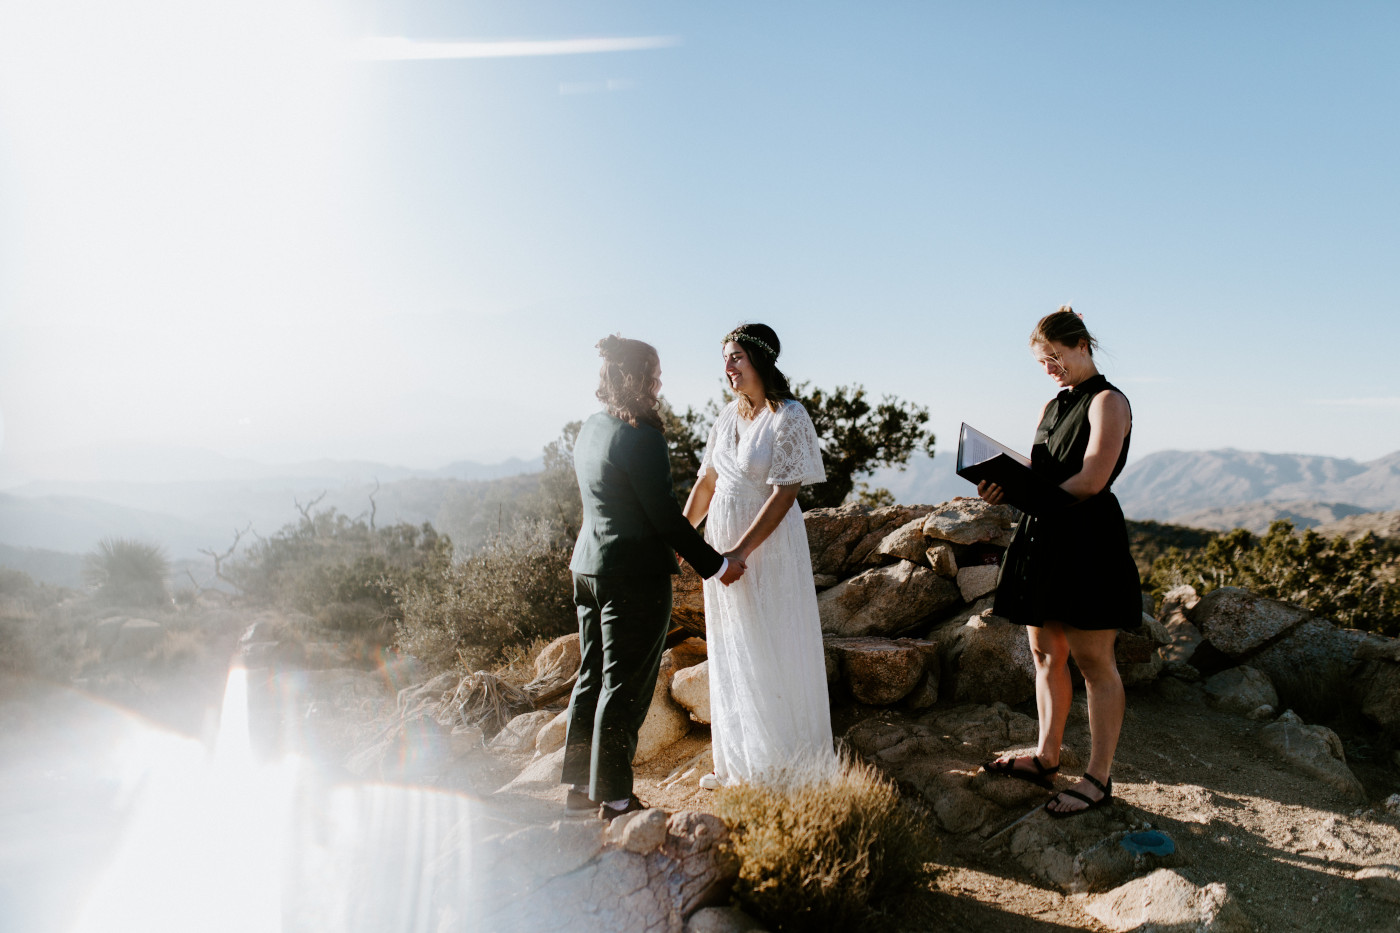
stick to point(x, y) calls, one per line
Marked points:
point(980, 457)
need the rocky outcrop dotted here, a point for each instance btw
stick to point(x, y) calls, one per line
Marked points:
point(977, 581)
point(1379, 685)
point(688, 601)
point(882, 671)
point(644, 872)
point(1238, 623)
point(690, 687)
point(1165, 900)
point(1315, 751)
point(884, 600)
point(1241, 690)
point(844, 539)
point(1176, 619)
point(553, 734)
point(519, 735)
point(991, 661)
point(966, 520)
point(556, 670)
point(666, 721)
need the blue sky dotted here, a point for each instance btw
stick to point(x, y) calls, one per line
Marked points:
point(233, 230)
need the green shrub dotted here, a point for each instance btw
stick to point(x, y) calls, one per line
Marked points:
point(342, 572)
point(1149, 540)
point(1350, 582)
point(834, 854)
point(126, 572)
point(515, 589)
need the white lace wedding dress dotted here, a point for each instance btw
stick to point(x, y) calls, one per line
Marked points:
point(768, 701)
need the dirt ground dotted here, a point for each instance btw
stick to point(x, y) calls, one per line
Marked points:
point(1286, 847)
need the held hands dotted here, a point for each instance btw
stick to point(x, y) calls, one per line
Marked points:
point(735, 570)
point(991, 492)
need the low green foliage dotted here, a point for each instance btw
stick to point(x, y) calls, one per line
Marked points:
point(1352, 583)
point(1149, 540)
point(126, 572)
point(469, 614)
point(857, 436)
point(341, 571)
point(832, 855)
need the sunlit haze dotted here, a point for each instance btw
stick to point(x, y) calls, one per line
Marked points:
point(300, 229)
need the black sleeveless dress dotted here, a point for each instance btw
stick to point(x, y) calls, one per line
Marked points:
point(1072, 566)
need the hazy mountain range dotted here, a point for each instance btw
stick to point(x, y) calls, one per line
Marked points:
point(185, 513)
point(42, 521)
point(1201, 487)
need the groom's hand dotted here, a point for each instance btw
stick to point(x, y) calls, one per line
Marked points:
point(734, 571)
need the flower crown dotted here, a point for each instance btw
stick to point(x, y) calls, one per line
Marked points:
point(749, 338)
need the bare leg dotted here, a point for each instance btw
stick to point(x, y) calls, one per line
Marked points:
point(1053, 689)
point(1053, 693)
point(1093, 652)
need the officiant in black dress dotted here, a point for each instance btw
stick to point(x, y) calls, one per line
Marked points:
point(1068, 574)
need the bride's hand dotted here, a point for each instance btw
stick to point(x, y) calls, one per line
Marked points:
point(734, 571)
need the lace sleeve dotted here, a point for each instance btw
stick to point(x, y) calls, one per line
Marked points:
point(710, 447)
point(797, 454)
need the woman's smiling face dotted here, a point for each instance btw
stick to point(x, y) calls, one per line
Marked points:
point(1061, 363)
point(739, 372)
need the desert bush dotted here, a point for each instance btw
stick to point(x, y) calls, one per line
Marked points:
point(1350, 582)
point(833, 854)
point(342, 572)
point(1149, 540)
point(126, 572)
point(515, 589)
point(517, 664)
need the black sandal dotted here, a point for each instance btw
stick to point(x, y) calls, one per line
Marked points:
point(1041, 776)
point(1106, 799)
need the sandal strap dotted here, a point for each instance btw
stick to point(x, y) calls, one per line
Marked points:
point(1106, 788)
point(1044, 771)
point(1071, 792)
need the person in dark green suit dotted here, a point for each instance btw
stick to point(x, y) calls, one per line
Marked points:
point(623, 561)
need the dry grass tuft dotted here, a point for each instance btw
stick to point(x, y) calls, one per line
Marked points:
point(517, 666)
point(825, 855)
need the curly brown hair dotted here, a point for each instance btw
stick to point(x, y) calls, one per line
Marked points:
point(629, 384)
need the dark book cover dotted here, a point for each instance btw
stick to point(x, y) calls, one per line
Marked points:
point(981, 458)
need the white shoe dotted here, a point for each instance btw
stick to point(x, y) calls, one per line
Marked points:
point(710, 782)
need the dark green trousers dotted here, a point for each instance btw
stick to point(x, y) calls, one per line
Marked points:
point(622, 625)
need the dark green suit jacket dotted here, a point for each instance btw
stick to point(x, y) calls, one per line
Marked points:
point(631, 521)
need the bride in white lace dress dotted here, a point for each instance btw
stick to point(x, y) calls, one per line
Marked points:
point(770, 716)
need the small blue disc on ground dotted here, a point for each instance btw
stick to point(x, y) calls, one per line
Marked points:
point(1148, 843)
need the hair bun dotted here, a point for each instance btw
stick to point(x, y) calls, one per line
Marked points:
point(609, 346)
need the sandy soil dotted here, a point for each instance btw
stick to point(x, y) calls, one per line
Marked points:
point(1285, 846)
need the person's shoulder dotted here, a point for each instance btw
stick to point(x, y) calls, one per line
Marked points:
point(602, 423)
point(1110, 399)
point(792, 408)
point(792, 403)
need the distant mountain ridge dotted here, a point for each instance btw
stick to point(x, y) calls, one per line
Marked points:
point(187, 515)
point(58, 473)
point(1258, 516)
point(1172, 484)
point(1177, 485)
